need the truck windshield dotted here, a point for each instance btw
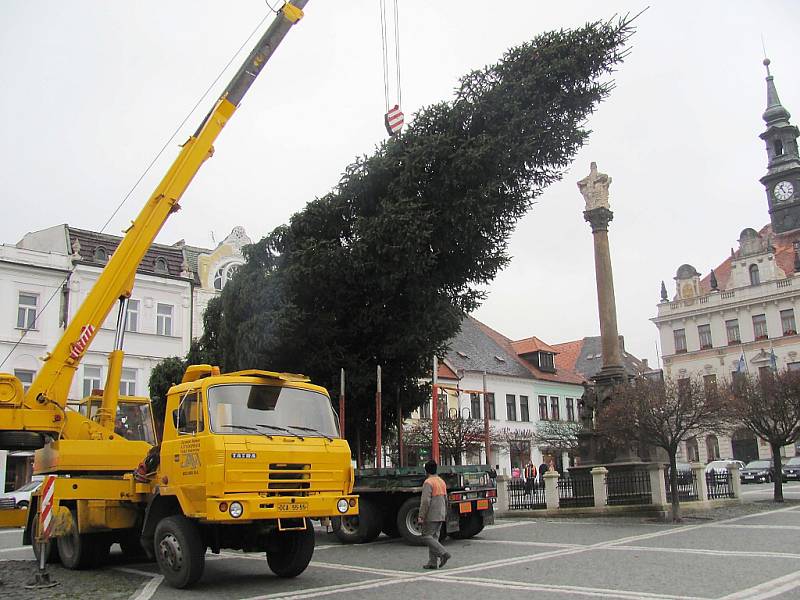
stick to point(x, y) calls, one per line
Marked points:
point(235, 405)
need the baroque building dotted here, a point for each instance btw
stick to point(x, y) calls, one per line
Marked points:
point(746, 306)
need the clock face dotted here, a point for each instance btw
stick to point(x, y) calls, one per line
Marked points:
point(783, 191)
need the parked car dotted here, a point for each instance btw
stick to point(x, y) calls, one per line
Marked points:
point(756, 471)
point(723, 464)
point(791, 470)
point(21, 498)
point(684, 471)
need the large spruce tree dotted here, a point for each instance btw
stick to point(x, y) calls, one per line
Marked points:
point(382, 269)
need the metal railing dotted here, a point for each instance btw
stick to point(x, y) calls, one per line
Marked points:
point(719, 485)
point(628, 487)
point(575, 492)
point(525, 495)
point(687, 486)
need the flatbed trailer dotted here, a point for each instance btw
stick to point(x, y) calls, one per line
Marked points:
point(389, 502)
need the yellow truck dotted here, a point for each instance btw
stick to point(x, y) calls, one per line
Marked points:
point(246, 459)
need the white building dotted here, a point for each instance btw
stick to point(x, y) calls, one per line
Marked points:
point(47, 275)
point(747, 306)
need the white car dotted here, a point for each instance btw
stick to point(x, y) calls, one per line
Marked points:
point(21, 498)
point(722, 465)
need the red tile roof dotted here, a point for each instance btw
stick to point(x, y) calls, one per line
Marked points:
point(561, 375)
point(568, 353)
point(531, 344)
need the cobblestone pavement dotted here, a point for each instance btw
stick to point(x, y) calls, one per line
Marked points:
point(746, 552)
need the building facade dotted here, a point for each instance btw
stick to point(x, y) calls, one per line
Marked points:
point(745, 308)
point(48, 274)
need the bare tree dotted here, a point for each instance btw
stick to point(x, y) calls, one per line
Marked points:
point(457, 435)
point(768, 405)
point(561, 436)
point(662, 414)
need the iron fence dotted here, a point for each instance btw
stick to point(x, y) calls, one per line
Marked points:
point(687, 486)
point(574, 492)
point(719, 485)
point(525, 495)
point(628, 487)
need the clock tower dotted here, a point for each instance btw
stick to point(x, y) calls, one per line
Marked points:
point(782, 181)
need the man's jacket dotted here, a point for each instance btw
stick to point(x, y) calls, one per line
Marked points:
point(433, 506)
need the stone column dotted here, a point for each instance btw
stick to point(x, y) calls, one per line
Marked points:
point(551, 489)
point(502, 494)
point(699, 473)
point(736, 482)
point(658, 486)
point(599, 486)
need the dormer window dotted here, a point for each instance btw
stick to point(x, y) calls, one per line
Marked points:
point(462, 354)
point(547, 361)
point(755, 278)
point(100, 255)
point(161, 266)
point(499, 358)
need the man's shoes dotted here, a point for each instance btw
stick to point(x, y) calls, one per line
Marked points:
point(430, 566)
point(443, 560)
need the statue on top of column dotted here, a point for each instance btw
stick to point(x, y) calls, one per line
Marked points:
point(594, 188)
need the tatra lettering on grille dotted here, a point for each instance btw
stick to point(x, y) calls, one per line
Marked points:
point(289, 477)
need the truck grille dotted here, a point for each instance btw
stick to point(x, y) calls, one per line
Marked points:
point(293, 478)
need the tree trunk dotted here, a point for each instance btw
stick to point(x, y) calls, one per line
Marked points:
point(777, 478)
point(673, 486)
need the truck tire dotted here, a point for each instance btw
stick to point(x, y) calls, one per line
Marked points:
point(359, 529)
point(468, 526)
point(407, 521)
point(290, 551)
point(180, 551)
point(82, 550)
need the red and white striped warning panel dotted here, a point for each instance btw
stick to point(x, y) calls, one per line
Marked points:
point(83, 341)
point(394, 120)
point(46, 511)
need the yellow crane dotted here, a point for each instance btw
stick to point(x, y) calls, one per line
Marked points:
point(246, 458)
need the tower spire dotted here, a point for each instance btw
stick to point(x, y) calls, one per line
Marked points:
point(775, 112)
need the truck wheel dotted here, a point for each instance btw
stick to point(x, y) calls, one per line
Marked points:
point(468, 526)
point(290, 551)
point(359, 529)
point(50, 548)
point(407, 521)
point(180, 551)
point(82, 550)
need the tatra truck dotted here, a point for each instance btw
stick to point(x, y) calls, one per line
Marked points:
point(246, 459)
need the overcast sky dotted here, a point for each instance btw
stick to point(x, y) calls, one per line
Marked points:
point(93, 89)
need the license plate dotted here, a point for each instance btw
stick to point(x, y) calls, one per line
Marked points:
point(465, 507)
point(749, 476)
point(297, 507)
point(483, 505)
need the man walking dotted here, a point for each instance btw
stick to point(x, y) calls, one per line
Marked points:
point(432, 514)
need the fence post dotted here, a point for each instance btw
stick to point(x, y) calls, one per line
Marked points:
point(699, 472)
point(658, 486)
point(502, 494)
point(736, 482)
point(599, 486)
point(551, 489)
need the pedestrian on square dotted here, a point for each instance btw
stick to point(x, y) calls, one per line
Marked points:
point(542, 471)
point(432, 514)
point(530, 478)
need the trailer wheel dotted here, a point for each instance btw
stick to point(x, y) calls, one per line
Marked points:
point(359, 529)
point(82, 550)
point(468, 526)
point(180, 551)
point(289, 552)
point(407, 521)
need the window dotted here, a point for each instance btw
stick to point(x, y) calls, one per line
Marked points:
point(704, 332)
point(778, 146)
point(543, 408)
point(710, 384)
point(100, 254)
point(425, 410)
point(25, 377)
point(511, 407)
point(680, 340)
point(132, 316)
point(475, 405)
point(570, 409)
point(787, 322)
point(91, 379)
point(755, 278)
point(760, 327)
point(127, 382)
point(161, 266)
point(26, 311)
point(490, 398)
point(164, 319)
point(524, 409)
point(732, 328)
point(226, 272)
point(554, 412)
point(547, 361)
point(189, 415)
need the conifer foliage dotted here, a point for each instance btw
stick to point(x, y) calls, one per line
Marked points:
point(382, 269)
